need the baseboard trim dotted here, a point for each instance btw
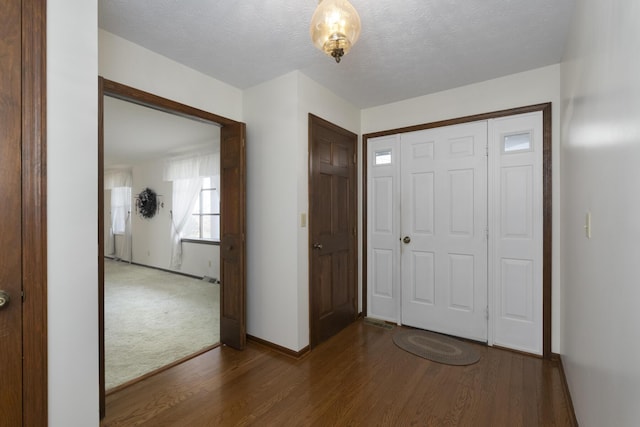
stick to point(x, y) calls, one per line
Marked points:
point(279, 348)
point(166, 270)
point(524, 353)
point(558, 359)
point(161, 369)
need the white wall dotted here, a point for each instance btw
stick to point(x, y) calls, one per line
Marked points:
point(316, 99)
point(516, 90)
point(270, 111)
point(600, 174)
point(276, 114)
point(72, 209)
point(132, 65)
point(151, 238)
point(72, 69)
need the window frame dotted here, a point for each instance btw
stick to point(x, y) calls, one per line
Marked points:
point(200, 215)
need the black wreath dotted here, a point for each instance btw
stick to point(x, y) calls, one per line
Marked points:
point(147, 203)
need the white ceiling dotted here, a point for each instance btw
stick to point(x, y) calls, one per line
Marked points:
point(407, 48)
point(135, 134)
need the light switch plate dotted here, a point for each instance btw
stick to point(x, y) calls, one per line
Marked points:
point(587, 225)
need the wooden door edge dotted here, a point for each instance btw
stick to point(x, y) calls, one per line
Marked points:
point(34, 214)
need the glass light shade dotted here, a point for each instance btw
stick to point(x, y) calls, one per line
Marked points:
point(335, 27)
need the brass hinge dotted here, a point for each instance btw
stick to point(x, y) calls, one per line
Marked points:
point(355, 158)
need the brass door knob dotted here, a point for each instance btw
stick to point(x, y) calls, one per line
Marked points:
point(4, 298)
point(407, 239)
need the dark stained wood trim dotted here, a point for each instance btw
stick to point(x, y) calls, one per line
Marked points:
point(547, 215)
point(34, 213)
point(153, 267)
point(512, 350)
point(547, 200)
point(279, 348)
point(161, 369)
point(565, 386)
point(233, 252)
point(101, 350)
point(137, 96)
point(460, 120)
point(365, 159)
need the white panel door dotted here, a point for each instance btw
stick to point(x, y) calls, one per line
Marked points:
point(383, 228)
point(516, 242)
point(443, 227)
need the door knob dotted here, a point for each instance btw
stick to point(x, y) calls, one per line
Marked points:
point(406, 239)
point(317, 246)
point(4, 298)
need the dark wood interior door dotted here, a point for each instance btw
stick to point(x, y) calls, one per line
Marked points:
point(11, 223)
point(232, 235)
point(332, 229)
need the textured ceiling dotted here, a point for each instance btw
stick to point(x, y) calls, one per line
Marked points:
point(407, 48)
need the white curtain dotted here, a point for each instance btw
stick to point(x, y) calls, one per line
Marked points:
point(186, 172)
point(119, 181)
point(109, 238)
point(114, 178)
point(185, 194)
point(192, 166)
point(121, 221)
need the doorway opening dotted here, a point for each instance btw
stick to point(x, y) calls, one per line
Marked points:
point(230, 190)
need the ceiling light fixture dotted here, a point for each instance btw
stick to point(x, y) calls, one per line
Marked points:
point(335, 27)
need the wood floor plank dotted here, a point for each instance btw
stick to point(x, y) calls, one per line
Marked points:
point(359, 377)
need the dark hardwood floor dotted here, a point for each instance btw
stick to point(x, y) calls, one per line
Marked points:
point(358, 377)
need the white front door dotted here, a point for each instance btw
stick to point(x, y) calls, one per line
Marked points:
point(383, 228)
point(444, 230)
point(473, 232)
point(516, 231)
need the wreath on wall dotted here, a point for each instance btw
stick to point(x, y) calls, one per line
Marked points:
point(147, 203)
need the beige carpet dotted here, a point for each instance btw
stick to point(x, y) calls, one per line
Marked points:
point(153, 318)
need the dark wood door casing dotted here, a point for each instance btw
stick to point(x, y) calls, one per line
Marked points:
point(232, 236)
point(232, 223)
point(332, 229)
point(23, 231)
point(11, 224)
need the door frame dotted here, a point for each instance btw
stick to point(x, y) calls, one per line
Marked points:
point(34, 214)
point(545, 108)
point(235, 336)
